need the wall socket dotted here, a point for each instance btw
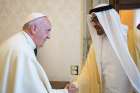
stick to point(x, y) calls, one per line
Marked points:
point(74, 69)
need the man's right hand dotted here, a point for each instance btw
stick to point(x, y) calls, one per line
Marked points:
point(71, 88)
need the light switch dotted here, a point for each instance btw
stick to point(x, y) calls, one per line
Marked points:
point(74, 70)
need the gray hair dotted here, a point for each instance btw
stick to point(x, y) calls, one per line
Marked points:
point(26, 26)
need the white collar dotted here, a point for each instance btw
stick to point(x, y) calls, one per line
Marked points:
point(29, 40)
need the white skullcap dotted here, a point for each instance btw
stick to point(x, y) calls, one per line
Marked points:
point(33, 16)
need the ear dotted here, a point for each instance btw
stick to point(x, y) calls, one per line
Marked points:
point(33, 29)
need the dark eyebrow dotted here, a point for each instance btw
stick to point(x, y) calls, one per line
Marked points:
point(49, 29)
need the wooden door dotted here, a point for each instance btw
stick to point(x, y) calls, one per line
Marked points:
point(125, 4)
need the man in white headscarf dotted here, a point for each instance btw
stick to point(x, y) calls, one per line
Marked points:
point(20, 71)
point(116, 67)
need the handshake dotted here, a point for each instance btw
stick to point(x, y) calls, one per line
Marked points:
point(72, 88)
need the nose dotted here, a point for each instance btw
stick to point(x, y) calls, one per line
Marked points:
point(48, 36)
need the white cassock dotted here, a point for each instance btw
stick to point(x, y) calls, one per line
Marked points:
point(117, 68)
point(20, 72)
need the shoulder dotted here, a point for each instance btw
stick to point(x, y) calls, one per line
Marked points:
point(15, 43)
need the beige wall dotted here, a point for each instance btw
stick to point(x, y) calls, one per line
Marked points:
point(63, 49)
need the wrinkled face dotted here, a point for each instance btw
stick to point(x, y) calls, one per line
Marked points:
point(97, 25)
point(42, 31)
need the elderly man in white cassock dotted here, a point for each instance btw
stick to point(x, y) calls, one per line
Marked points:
point(20, 71)
point(116, 67)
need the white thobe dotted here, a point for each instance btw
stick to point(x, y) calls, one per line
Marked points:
point(20, 72)
point(114, 78)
